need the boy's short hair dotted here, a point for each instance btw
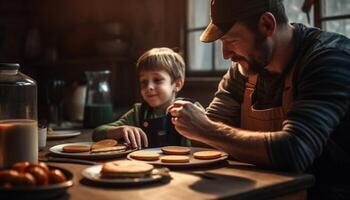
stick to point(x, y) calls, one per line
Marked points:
point(162, 58)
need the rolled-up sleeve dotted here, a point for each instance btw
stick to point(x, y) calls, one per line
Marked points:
point(225, 106)
point(130, 118)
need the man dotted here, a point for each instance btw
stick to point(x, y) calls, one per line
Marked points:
point(284, 102)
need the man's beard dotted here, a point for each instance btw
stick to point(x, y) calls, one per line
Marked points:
point(258, 61)
point(254, 67)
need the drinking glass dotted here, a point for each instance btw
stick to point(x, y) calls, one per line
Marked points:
point(98, 105)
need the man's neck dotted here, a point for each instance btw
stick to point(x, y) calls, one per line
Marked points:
point(283, 51)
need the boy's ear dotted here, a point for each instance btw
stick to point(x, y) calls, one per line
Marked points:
point(179, 84)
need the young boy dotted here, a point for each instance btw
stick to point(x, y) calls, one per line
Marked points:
point(161, 73)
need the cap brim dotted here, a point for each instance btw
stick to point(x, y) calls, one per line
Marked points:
point(211, 33)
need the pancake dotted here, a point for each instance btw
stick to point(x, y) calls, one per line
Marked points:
point(175, 159)
point(175, 150)
point(144, 155)
point(125, 168)
point(207, 155)
point(109, 149)
point(104, 143)
point(76, 148)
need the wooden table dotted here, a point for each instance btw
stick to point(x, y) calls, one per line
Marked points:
point(227, 180)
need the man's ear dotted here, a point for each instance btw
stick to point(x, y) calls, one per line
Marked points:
point(267, 24)
point(179, 83)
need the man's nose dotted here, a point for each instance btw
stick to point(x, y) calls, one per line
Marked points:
point(226, 52)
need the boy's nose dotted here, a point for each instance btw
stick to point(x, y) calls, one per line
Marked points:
point(150, 86)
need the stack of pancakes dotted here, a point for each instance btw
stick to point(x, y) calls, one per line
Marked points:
point(98, 147)
point(126, 169)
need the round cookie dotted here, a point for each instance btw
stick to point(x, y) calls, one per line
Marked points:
point(125, 168)
point(76, 148)
point(144, 155)
point(104, 143)
point(175, 150)
point(175, 159)
point(207, 155)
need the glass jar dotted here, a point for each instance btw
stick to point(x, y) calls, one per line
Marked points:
point(18, 116)
point(98, 105)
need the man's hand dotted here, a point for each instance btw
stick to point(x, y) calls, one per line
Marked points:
point(189, 120)
point(133, 136)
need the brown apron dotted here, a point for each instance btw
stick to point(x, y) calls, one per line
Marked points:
point(266, 119)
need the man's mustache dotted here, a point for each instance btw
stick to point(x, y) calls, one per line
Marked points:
point(238, 58)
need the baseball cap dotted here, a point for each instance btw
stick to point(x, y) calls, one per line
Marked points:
point(224, 14)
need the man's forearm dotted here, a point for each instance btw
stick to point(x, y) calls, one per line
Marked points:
point(243, 145)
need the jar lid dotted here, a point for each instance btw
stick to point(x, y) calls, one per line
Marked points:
point(9, 66)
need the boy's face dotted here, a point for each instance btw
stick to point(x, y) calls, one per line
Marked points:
point(157, 88)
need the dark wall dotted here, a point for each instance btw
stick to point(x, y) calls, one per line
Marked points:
point(14, 23)
point(148, 23)
point(63, 38)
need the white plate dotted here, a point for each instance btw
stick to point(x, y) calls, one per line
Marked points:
point(62, 134)
point(193, 161)
point(87, 155)
point(93, 174)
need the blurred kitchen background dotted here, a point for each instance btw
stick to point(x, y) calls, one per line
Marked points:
point(56, 41)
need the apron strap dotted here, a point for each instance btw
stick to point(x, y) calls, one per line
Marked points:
point(288, 96)
point(143, 108)
point(247, 100)
point(251, 83)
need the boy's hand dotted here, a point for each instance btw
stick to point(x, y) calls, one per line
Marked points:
point(132, 135)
